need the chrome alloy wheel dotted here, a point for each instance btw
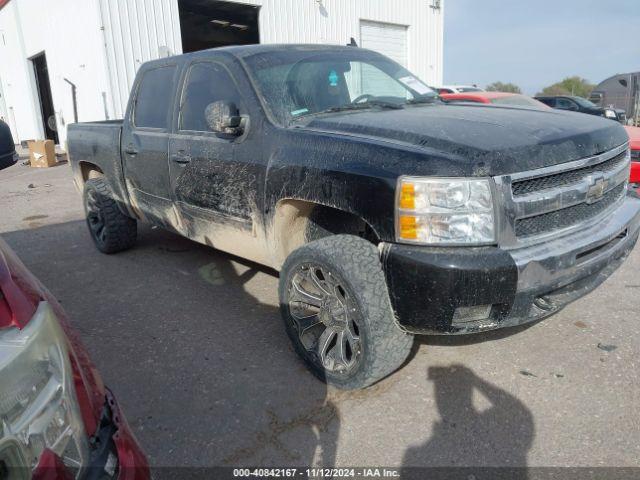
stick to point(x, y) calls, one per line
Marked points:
point(325, 319)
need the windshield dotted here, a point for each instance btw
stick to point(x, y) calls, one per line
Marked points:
point(299, 83)
point(583, 102)
point(519, 100)
point(469, 89)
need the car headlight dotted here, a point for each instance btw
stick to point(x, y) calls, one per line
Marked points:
point(38, 405)
point(610, 114)
point(445, 211)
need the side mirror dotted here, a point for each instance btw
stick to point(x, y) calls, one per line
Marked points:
point(223, 117)
point(623, 82)
point(8, 155)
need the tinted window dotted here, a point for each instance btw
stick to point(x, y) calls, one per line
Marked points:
point(565, 104)
point(206, 83)
point(584, 102)
point(154, 98)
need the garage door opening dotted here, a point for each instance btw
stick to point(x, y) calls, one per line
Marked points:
point(385, 38)
point(210, 24)
point(44, 96)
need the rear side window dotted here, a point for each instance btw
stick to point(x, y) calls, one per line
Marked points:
point(154, 98)
point(206, 83)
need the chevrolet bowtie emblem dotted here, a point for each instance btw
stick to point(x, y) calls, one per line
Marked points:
point(596, 189)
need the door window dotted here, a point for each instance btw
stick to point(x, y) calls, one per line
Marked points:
point(565, 104)
point(154, 98)
point(206, 83)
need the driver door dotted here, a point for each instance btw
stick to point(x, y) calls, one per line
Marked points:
point(211, 190)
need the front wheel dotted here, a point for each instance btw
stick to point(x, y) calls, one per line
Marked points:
point(335, 306)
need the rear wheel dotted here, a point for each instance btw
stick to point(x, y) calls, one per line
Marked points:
point(111, 230)
point(336, 310)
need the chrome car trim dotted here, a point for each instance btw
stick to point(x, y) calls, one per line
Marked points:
point(588, 190)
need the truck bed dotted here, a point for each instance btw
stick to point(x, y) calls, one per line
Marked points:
point(96, 146)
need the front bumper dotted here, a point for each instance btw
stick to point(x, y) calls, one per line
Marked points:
point(427, 285)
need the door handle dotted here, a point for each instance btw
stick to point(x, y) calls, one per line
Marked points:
point(131, 150)
point(181, 158)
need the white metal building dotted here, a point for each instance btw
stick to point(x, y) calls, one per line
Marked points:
point(64, 59)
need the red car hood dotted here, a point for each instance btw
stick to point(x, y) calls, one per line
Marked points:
point(634, 137)
point(89, 387)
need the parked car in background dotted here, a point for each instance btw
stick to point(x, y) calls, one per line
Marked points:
point(582, 105)
point(496, 98)
point(634, 145)
point(58, 421)
point(387, 212)
point(458, 89)
point(8, 155)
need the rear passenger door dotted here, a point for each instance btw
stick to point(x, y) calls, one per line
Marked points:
point(145, 143)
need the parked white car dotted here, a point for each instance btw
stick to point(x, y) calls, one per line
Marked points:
point(458, 89)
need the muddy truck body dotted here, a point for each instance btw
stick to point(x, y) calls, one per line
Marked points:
point(387, 212)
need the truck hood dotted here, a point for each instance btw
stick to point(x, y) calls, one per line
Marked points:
point(481, 139)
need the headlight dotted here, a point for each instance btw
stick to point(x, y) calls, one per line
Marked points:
point(38, 405)
point(445, 211)
point(610, 114)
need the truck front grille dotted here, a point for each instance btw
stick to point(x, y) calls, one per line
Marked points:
point(567, 178)
point(567, 217)
point(542, 203)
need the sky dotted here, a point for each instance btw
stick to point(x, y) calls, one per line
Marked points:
point(535, 43)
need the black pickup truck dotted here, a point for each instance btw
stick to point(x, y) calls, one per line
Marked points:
point(582, 105)
point(387, 212)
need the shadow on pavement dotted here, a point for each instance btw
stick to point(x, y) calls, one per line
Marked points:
point(480, 425)
point(191, 342)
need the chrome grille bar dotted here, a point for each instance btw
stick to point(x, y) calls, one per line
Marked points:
point(572, 187)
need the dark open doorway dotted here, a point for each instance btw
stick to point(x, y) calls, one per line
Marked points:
point(44, 95)
point(211, 23)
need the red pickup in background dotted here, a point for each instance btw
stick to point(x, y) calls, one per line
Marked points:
point(634, 143)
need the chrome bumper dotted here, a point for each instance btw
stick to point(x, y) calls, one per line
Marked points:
point(554, 264)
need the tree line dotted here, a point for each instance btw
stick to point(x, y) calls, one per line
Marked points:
point(575, 86)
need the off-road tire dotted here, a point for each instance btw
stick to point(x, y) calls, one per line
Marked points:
point(119, 231)
point(355, 262)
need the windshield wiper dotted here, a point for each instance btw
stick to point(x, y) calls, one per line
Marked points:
point(364, 105)
point(355, 106)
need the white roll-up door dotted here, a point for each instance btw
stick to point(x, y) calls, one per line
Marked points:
point(385, 38)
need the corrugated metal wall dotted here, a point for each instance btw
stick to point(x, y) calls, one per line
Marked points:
point(137, 31)
point(140, 30)
point(336, 21)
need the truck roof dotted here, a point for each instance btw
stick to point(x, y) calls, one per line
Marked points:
point(241, 51)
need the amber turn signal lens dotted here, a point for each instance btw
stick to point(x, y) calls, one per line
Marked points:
point(408, 196)
point(408, 227)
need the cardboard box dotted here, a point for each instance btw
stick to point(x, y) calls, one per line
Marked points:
point(42, 153)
